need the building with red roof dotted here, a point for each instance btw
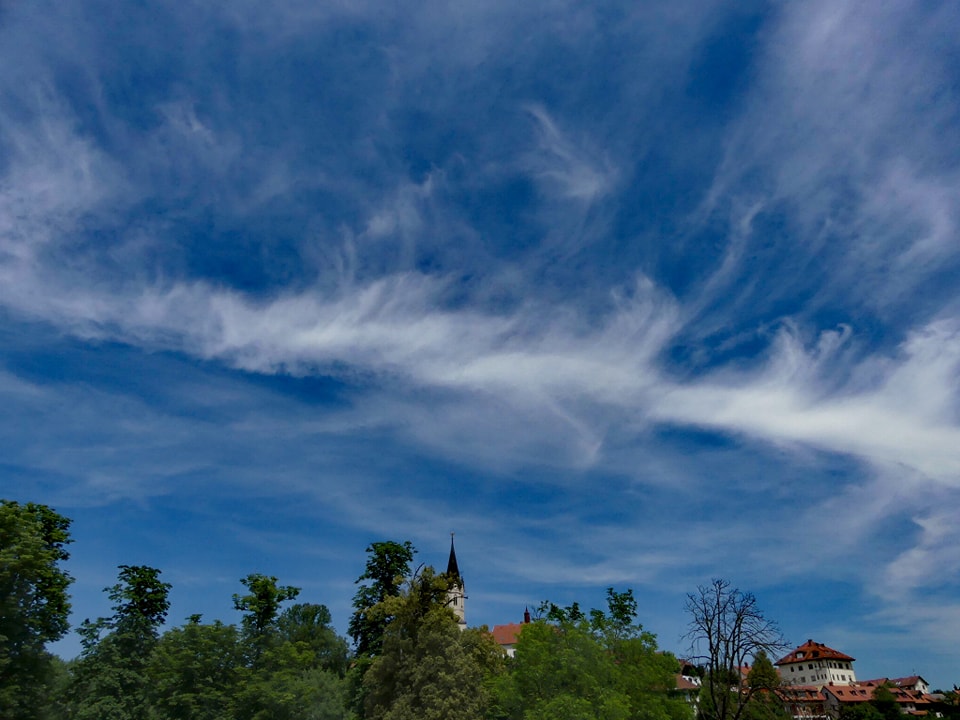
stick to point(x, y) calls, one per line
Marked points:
point(507, 635)
point(803, 702)
point(910, 701)
point(814, 663)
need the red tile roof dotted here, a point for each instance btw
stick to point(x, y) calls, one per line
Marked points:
point(850, 693)
point(863, 692)
point(811, 650)
point(507, 634)
point(799, 692)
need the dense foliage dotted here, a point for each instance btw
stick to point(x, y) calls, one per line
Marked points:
point(600, 665)
point(284, 660)
point(34, 604)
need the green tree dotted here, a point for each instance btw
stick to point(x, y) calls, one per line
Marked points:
point(309, 627)
point(294, 659)
point(194, 671)
point(386, 569)
point(763, 682)
point(763, 675)
point(287, 684)
point(726, 629)
point(208, 672)
point(885, 702)
point(292, 693)
point(111, 678)
point(859, 711)
point(560, 670)
point(600, 664)
point(427, 668)
point(388, 566)
point(34, 604)
point(261, 606)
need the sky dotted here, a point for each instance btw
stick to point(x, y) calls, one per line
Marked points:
point(629, 295)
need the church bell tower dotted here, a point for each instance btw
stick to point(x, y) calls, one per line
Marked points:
point(456, 597)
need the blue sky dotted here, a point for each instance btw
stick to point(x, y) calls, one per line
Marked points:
point(629, 294)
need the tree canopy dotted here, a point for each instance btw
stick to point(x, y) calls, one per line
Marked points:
point(283, 660)
point(427, 668)
point(387, 568)
point(600, 664)
point(34, 603)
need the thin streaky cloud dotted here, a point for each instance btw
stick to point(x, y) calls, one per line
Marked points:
point(626, 294)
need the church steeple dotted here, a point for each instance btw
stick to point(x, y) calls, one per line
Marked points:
point(456, 598)
point(453, 570)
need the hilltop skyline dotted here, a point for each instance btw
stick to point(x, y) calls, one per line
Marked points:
point(630, 296)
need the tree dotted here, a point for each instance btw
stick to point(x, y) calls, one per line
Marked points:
point(561, 671)
point(308, 627)
point(111, 678)
point(194, 671)
point(388, 566)
point(292, 694)
point(885, 702)
point(600, 664)
point(294, 660)
point(726, 630)
point(262, 603)
point(34, 604)
point(261, 607)
point(427, 668)
point(859, 711)
point(288, 684)
point(763, 681)
point(763, 675)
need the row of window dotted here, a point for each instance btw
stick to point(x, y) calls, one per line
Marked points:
point(838, 665)
point(841, 678)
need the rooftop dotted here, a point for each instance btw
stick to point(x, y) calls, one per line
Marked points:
point(811, 650)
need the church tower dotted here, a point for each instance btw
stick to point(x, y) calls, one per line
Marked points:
point(456, 598)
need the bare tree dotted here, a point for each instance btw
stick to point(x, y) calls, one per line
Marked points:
point(726, 630)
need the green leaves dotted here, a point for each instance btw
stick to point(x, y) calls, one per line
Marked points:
point(34, 604)
point(427, 667)
point(262, 604)
point(596, 665)
point(388, 566)
point(140, 600)
point(195, 670)
point(112, 679)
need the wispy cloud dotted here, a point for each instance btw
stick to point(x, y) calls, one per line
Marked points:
point(529, 253)
point(576, 172)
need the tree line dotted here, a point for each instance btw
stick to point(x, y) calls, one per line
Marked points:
point(406, 657)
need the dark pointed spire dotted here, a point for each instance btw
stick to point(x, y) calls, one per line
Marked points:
point(453, 569)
